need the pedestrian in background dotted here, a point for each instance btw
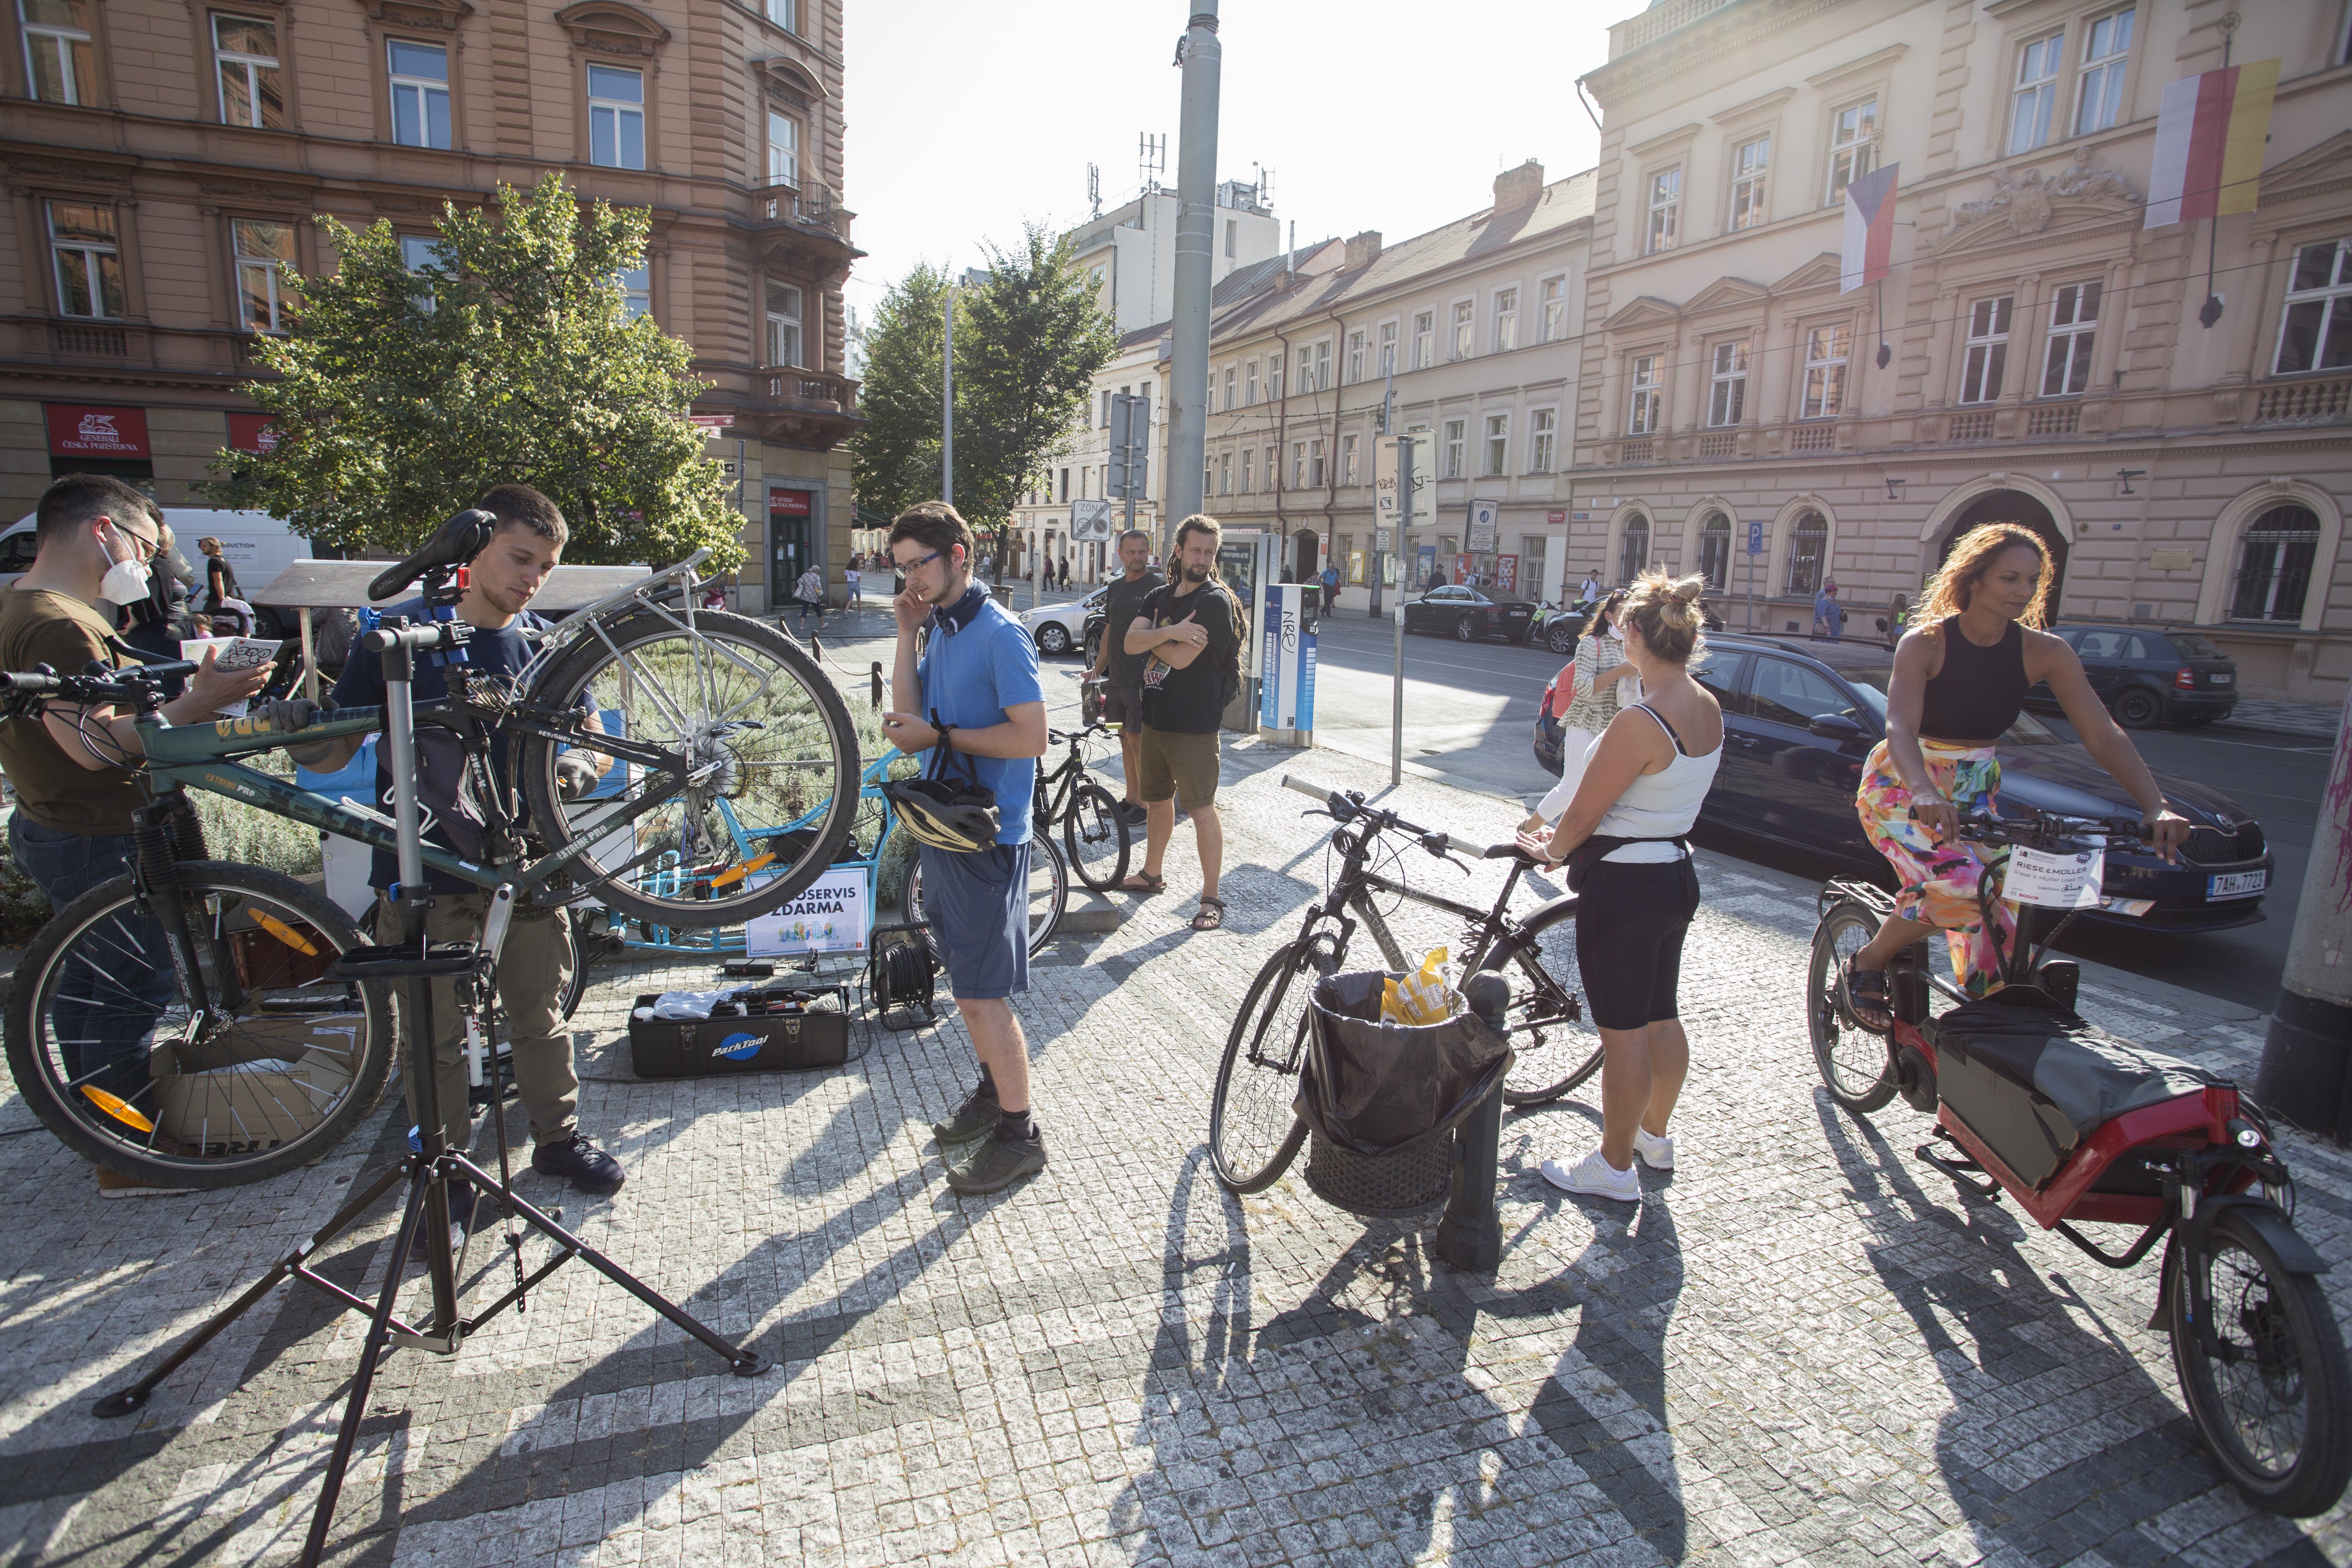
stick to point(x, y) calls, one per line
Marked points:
point(810, 591)
point(855, 579)
point(1829, 615)
point(1598, 690)
point(1330, 585)
point(1122, 671)
point(1191, 631)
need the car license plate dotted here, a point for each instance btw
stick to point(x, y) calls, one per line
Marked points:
point(2221, 677)
point(2236, 884)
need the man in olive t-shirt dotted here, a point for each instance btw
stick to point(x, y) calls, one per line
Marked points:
point(1189, 633)
point(1123, 694)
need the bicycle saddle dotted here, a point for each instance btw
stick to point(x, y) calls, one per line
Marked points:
point(456, 543)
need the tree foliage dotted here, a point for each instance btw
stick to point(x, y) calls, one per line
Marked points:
point(401, 395)
point(1029, 341)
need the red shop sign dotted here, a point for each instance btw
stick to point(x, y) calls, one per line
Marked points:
point(1555, 517)
point(78, 430)
point(788, 503)
point(252, 433)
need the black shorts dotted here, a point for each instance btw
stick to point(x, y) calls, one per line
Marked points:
point(1630, 923)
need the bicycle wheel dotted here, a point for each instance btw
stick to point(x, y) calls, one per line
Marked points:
point(1254, 1130)
point(2272, 1407)
point(1856, 1064)
point(1049, 892)
point(106, 1049)
point(1556, 1044)
point(762, 789)
point(1097, 837)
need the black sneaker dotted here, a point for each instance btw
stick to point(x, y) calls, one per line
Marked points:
point(1132, 813)
point(976, 1115)
point(581, 1162)
point(1000, 1163)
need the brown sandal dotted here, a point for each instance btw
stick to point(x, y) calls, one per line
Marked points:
point(1143, 882)
point(1211, 915)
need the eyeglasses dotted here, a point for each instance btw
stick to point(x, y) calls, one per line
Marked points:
point(148, 548)
point(919, 562)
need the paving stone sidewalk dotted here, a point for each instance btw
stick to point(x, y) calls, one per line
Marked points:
point(1805, 1347)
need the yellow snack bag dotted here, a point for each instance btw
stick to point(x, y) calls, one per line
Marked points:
point(1422, 998)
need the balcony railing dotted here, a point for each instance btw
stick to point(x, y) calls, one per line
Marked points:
point(2305, 401)
point(1719, 444)
point(1975, 426)
point(811, 389)
point(1658, 21)
point(810, 206)
point(2055, 419)
point(89, 342)
point(1641, 449)
point(1816, 438)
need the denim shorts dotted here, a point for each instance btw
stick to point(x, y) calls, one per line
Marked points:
point(978, 907)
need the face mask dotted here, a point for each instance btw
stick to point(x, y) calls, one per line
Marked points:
point(125, 583)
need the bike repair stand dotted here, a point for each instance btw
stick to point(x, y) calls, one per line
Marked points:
point(1470, 1237)
point(431, 1168)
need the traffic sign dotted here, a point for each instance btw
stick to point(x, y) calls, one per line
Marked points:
point(1755, 539)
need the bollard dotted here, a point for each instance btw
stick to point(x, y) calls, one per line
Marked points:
point(878, 684)
point(1470, 1237)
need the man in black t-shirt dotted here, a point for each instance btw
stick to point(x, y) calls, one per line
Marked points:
point(1190, 634)
point(1123, 672)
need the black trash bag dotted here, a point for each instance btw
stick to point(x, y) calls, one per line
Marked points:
point(1377, 1088)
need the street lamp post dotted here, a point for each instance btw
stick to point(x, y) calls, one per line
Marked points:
point(1202, 57)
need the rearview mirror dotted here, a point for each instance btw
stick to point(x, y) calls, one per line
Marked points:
point(1836, 727)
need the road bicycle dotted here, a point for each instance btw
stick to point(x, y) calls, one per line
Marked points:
point(178, 1024)
point(1095, 834)
point(2078, 1127)
point(1253, 1132)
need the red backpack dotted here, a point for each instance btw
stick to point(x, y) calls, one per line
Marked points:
point(1561, 692)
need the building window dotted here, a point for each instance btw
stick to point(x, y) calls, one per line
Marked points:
point(1666, 210)
point(2275, 556)
point(1715, 550)
point(1104, 421)
point(2036, 93)
point(245, 57)
point(784, 325)
point(1298, 464)
point(264, 252)
point(2074, 319)
point(1450, 465)
point(1233, 379)
point(1424, 339)
point(1465, 312)
point(1347, 459)
point(89, 268)
point(1315, 463)
point(1388, 348)
point(1808, 543)
point(1507, 320)
point(1225, 473)
point(1854, 146)
point(1987, 351)
point(616, 118)
point(1634, 550)
point(59, 66)
point(1728, 391)
point(1249, 385)
point(783, 14)
point(1323, 365)
point(420, 93)
point(1247, 454)
point(1355, 356)
point(1232, 231)
point(1497, 444)
point(2317, 332)
point(1825, 358)
point(1273, 379)
point(1750, 163)
point(783, 150)
point(637, 292)
point(1543, 430)
point(2106, 50)
point(1271, 477)
point(1642, 417)
point(1553, 297)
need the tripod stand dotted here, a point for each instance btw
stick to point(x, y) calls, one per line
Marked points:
point(433, 1167)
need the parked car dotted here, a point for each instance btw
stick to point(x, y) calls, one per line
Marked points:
point(1799, 716)
point(1058, 628)
point(1471, 614)
point(2148, 676)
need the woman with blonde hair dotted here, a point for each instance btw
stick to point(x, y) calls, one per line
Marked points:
point(1600, 681)
point(1626, 830)
point(1959, 682)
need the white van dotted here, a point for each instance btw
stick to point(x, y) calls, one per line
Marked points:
point(256, 546)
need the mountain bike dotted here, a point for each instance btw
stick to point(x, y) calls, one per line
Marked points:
point(1254, 1133)
point(178, 1025)
point(2075, 1125)
point(1094, 832)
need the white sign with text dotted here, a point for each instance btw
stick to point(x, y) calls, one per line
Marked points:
point(833, 914)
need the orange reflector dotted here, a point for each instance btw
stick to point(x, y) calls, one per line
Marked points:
point(116, 1109)
point(737, 873)
point(285, 933)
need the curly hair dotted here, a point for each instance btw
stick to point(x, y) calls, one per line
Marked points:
point(1665, 611)
point(1946, 593)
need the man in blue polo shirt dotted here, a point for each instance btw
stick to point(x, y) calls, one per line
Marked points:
point(972, 707)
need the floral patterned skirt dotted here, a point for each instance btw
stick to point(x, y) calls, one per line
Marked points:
point(1938, 882)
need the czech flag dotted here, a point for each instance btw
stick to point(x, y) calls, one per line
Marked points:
point(2210, 131)
point(1869, 229)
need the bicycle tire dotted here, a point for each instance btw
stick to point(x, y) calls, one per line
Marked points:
point(1557, 1044)
point(109, 923)
point(1845, 1071)
point(749, 740)
point(1094, 826)
point(1244, 1150)
point(1049, 892)
point(2287, 1350)
point(576, 986)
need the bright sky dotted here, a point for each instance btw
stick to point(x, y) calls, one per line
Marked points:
point(965, 120)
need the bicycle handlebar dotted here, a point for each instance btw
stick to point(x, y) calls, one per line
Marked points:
point(102, 685)
point(2037, 826)
point(1055, 737)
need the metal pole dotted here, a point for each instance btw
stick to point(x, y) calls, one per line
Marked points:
point(947, 405)
point(1404, 520)
point(1202, 57)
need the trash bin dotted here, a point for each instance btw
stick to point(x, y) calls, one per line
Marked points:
point(1381, 1101)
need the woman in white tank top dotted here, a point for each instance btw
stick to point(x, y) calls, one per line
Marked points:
point(1639, 797)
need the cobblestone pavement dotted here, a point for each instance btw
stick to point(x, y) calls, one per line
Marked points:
point(1803, 1348)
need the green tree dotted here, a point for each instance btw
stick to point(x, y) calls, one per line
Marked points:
point(400, 396)
point(894, 461)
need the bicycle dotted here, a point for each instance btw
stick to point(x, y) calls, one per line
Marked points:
point(2075, 1126)
point(142, 1011)
point(1093, 830)
point(1254, 1133)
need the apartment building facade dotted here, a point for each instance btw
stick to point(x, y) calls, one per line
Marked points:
point(2044, 357)
point(164, 161)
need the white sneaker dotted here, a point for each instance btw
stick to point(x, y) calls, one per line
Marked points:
point(1594, 1176)
point(1657, 1152)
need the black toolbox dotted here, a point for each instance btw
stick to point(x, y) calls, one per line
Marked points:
point(781, 1029)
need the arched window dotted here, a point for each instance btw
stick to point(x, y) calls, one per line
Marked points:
point(2275, 560)
point(1808, 542)
point(1715, 550)
point(1635, 555)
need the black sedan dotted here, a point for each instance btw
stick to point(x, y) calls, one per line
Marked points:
point(1471, 615)
point(1801, 717)
point(2146, 676)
